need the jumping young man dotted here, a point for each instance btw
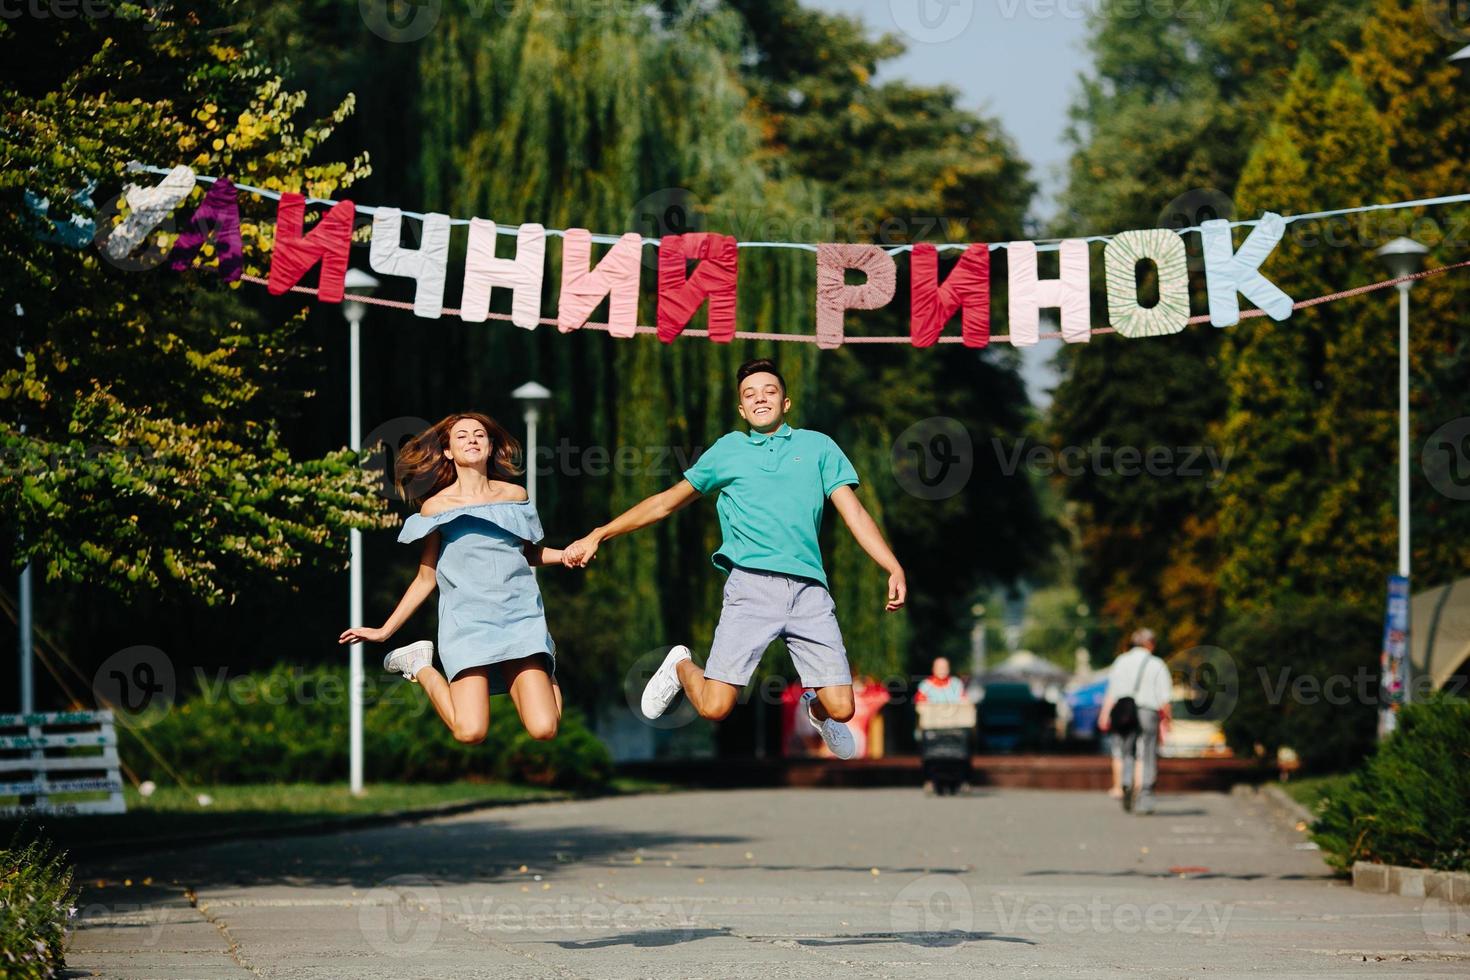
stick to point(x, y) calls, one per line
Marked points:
point(772, 483)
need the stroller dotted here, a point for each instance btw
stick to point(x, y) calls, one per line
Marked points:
point(944, 745)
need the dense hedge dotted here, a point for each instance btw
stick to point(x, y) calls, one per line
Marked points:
point(36, 896)
point(1410, 804)
point(1307, 672)
point(290, 724)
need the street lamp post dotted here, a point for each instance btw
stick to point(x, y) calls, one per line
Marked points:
point(1404, 257)
point(533, 397)
point(358, 282)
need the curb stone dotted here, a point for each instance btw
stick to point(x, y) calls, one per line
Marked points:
point(1390, 879)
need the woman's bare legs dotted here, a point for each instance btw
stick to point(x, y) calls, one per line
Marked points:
point(535, 693)
point(463, 704)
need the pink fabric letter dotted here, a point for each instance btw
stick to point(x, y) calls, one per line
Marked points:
point(218, 215)
point(294, 253)
point(522, 274)
point(616, 276)
point(715, 277)
point(835, 297)
point(1070, 292)
point(933, 303)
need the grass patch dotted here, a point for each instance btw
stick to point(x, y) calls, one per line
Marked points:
point(1310, 791)
point(172, 812)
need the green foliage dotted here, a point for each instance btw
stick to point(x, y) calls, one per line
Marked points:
point(289, 724)
point(1307, 678)
point(1407, 805)
point(36, 895)
point(139, 428)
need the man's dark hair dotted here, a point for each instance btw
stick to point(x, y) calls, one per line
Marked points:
point(761, 365)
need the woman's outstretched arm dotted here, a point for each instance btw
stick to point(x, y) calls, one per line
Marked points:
point(418, 590)
point(541, 555)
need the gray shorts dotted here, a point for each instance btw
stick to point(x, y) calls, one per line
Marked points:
point(761, 606)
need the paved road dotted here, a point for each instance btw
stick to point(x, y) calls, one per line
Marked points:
point(769, 884)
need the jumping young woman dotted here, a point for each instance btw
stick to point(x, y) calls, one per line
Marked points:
point(479, 532)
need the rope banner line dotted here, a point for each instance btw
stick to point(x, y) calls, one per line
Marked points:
point(946, 339)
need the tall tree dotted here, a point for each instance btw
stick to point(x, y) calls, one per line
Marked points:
point(140, 413)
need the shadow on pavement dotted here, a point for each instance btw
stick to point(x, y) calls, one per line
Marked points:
point(952, 937)
point(1326, 875)
point(647, 938)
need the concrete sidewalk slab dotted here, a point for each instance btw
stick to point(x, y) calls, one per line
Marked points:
point(781, 883)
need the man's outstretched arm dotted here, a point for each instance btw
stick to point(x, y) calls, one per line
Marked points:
point(870, 536)
point(648, 511)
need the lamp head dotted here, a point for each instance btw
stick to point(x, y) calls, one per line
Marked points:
point(1403, 256)
point(361, 283)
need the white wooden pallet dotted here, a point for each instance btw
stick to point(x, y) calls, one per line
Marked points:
point(27, 768)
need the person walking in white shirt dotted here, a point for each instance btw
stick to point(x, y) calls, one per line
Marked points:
point(1136, 710)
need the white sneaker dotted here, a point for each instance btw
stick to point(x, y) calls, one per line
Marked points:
point(661, 688)
point(837, 735)
point(411, 659)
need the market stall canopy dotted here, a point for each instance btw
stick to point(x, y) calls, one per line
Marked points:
point(1439, 632)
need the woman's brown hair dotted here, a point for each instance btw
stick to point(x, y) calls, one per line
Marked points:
point(422, 469)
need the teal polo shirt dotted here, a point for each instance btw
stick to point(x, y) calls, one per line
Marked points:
point(772, 490)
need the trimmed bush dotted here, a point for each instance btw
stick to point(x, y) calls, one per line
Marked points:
point(289, 724)
point(1410, 804)
point(36, 896)
point(1307, 672)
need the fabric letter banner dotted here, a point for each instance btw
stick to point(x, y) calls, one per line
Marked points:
point(522, 274)
point(616, 276)
point(218, 216)
point(1228, 272)
point(1070, 292)
point(294, 253)
point(1165, 249)
point(148, 207)
point(715, 277)
point(835, 297)
point(427, 264)
point(933, 302)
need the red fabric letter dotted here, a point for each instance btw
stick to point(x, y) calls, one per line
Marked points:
point(933, 303)
point(294, 253)
point(714, 277)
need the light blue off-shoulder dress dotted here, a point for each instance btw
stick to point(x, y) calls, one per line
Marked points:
point(490, 607)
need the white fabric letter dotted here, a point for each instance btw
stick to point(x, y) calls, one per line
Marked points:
point(522, 274)
point(1069, 292)
point(426, 264)
point(1228, 272)
point(148, 207)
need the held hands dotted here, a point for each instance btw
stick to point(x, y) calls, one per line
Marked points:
point(579, 553)
point(898, 590)
point(363, 634)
